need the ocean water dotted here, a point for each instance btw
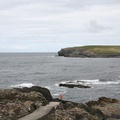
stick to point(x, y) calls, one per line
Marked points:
point(48, 70)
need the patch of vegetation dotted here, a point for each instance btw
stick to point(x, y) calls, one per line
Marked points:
point(100, 49)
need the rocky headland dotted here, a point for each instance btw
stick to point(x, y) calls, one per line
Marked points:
point(91, 52)
point(18, 102)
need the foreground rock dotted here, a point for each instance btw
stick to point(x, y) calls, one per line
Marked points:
point(103, 109)
point(110, 108)
point(15, 103)
point(73, 85)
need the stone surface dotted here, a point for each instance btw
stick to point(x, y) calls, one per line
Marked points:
point(109, 107)
point(103, 109)
point(42, 111)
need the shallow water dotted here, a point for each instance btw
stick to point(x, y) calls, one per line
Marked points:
point(45, 69)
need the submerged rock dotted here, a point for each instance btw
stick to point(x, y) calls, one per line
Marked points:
point(73, 85)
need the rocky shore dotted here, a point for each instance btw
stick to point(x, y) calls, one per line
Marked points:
point(103, 109)
point(18, 102)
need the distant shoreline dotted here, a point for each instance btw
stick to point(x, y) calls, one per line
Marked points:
point(91, 52)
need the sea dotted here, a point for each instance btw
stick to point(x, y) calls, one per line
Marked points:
point(49, 70)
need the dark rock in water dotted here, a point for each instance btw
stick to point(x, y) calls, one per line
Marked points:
point(73, 85)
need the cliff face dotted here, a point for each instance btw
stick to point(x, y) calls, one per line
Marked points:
point(91, 51)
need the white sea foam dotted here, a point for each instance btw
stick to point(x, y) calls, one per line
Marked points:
point(57, 84)
point(91, 82)
point(64, 82)
point(98, 82)
point(23, 85)
point(108, 83)
point(56, 94)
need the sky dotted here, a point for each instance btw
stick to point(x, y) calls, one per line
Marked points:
point(49, 25)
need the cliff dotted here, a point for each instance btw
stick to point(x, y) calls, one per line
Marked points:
point(91, 51)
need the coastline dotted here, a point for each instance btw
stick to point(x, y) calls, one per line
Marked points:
point(91, 52)
point(18, 102)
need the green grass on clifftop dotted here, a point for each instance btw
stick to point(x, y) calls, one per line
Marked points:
point(100, 49)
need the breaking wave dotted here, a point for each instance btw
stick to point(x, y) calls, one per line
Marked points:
point(23, 85)
point(91, 82)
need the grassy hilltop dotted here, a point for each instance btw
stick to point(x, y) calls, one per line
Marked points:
point(91, 51)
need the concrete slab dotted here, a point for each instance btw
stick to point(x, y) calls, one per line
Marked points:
point(42, 111)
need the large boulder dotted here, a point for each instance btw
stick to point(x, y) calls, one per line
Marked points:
point(44, 91)
point(18, 102)
point(15, 95)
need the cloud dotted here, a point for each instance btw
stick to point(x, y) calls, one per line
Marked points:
point(94, 26)
point(29, 24)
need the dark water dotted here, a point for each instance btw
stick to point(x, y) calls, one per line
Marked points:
point(44, 69)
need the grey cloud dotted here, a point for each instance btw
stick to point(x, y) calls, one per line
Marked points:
point(73, 4)
point(94, 26)
point(27, 24)
point(8, 4)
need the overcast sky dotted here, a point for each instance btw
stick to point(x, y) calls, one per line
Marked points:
point(49, 25)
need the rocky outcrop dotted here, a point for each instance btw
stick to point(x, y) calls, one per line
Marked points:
point(110, 108)
point(72, 52)
point(15, 103)
point(103, 109)
point(73, 85)
point(44, 91)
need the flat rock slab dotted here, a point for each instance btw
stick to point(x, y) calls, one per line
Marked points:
point(42, 111)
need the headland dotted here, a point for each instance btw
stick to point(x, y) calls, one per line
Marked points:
point(91, 52)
